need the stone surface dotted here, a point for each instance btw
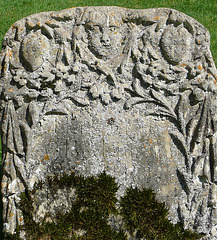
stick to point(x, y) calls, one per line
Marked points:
point(131, 92)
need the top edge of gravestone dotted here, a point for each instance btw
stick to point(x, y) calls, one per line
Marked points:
point(74, 12)
point(78, 15)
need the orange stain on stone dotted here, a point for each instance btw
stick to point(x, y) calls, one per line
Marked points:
point(156, 18)
point(11, 215)
point(46, 157)
point(150, 141)
point(49, 21)
point(200, 67)
point(9, 53)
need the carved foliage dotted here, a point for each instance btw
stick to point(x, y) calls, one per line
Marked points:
point(158, 61)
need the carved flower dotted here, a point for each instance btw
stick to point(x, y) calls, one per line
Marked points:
point(101, 90)
point(162, 77)
point(20, 77)
point(118, 92)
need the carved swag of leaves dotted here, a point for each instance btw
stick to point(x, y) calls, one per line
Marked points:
point(193, 116)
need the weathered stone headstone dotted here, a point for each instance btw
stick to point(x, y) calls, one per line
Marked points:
point(129, 92)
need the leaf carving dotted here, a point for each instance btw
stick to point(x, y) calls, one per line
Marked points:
point(133, 101)
point(198, 132)
point(180, 142)
point(180, 112)
point(161, 100)
point(183, 181)
point(138, 88)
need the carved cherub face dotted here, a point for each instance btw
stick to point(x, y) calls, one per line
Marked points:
point(105, 38)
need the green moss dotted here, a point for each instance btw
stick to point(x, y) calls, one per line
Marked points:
point(146, 217)
point(88, 217)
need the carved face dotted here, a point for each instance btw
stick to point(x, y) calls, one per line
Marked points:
point(104, 40)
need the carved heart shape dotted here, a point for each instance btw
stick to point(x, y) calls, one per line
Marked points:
point(34, 47)
point(175, 43)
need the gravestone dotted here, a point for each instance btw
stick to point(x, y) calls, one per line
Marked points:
point(129, 92)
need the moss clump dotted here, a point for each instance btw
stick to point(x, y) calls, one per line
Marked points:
point(87, 218)
point(95, 202)
point(146, 217)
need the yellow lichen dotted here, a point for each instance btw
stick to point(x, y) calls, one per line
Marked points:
point(46, 157)
point(11, 215)
point(200, 67)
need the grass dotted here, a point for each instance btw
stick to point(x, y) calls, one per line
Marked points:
point(203, 11)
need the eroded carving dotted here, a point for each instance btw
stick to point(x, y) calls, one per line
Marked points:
point(132, 92)
point(176, 43)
